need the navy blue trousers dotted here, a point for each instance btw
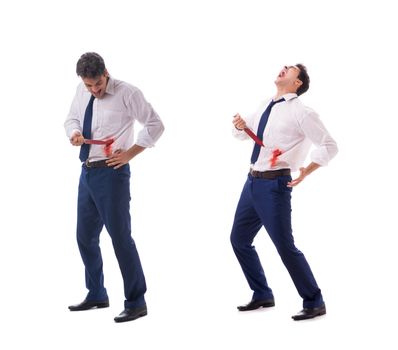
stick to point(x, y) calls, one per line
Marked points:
point(104, 199)
point(267, 203)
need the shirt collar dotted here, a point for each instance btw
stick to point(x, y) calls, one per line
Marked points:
point(286, 97)
point(289, 96)
point(110, 87)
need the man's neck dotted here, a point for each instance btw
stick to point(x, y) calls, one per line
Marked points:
point(280, 92)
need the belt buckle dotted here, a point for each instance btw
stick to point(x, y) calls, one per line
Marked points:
point(87, 163)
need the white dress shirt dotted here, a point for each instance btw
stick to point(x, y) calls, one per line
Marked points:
point(292, 128)
point(114, 115)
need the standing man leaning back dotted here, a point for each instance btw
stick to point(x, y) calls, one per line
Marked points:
point(106, 109)
point(286, 128)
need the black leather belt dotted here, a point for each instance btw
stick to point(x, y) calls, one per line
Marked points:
point(96, 164)
point(270, 174)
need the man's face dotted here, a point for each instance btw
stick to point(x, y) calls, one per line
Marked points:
point(97, 86)
point(288, 78)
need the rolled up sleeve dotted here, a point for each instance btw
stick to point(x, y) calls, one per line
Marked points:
point(325, 146)
point(152, 125)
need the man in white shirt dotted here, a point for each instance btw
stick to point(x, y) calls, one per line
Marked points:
point(285, 131)
point(101, 122)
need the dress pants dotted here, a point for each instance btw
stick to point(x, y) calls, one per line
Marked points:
point(267, 203)
point(104, 199)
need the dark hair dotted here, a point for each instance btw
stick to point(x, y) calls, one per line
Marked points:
point(90, 65)
point(304, 78)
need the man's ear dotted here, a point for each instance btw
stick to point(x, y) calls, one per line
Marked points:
point(298, 83)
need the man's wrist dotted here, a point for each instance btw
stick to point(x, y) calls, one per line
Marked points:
point(75, 133)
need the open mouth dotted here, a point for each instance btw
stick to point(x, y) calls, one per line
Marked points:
point(282, 74)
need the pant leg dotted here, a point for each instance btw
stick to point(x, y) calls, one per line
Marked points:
point(112, 198)
point(89, 226)
point(245, 227)
point(272, 200)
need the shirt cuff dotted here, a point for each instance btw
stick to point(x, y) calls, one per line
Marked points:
point(75, 132)
point(240, 134)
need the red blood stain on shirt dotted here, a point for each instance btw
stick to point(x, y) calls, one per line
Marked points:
point(275, 154)
point(108, 147)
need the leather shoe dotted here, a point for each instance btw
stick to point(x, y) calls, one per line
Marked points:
point(256, 304)
point(308, 313)
point(131, 314)
point(89, 304)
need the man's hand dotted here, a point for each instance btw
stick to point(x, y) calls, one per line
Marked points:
point(120, 157)
point(303, 173)
point(297, 180)
point(77, 139)
point(238, 122)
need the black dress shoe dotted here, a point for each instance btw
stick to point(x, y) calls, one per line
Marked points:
point(89, 304)
point(256, 304)
point(308, 313)
point(131, 314)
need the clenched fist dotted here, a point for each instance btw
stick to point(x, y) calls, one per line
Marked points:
point(238, 122)
point(77, 139)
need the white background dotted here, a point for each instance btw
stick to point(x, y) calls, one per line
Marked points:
point(199, 63)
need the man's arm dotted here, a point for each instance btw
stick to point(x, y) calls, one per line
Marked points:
point(326, 147)
point(72, 123)
point(144, 113)
point(151, 132)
